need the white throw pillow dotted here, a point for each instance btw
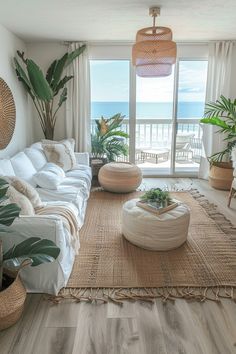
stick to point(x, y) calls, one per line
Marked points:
point(16, 197)
point(52, 167)
point(26, 189)
point(47, 179)
point(61, 154)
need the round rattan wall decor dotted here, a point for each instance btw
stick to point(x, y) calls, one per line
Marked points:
point(7, 114)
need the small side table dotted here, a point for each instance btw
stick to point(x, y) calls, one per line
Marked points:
point(159, 154)
point(96, 164)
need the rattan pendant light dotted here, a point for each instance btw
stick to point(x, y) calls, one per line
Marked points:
point(154, 52)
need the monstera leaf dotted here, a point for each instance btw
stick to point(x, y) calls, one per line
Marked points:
point(34, 248)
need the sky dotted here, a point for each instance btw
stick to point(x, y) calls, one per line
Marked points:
point(110, 82)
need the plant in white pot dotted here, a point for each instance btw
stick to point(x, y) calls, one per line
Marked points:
point(222, 114)
point(33, 251)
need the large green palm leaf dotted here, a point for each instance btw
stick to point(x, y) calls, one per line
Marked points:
point(43, 89)
point(222, 114)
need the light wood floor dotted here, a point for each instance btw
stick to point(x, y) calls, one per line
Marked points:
point(134, 328)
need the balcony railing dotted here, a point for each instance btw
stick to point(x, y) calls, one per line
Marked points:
point(157, 133)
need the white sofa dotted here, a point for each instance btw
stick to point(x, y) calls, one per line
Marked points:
point(75, 189)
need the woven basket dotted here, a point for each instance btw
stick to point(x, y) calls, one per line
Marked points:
point(12, 302)
point(7, 114)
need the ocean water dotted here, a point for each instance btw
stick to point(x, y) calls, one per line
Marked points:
point(149, 110)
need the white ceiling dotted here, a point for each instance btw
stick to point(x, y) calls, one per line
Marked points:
point(101, 20)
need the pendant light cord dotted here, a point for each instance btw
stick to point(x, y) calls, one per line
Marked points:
point(154, 23)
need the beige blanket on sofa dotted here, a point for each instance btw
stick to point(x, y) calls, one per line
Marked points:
point(68, 217)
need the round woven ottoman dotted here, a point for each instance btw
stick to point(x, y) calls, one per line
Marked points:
point(120, 177)
point(155, 232)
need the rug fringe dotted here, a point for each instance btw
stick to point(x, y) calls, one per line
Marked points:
point(118, 296)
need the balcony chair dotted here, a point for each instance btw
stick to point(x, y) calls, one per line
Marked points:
point(183, 146)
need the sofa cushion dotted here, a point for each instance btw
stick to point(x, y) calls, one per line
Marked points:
point(82, 185)
point(22, 166)
point(80, 170)
point(6, 167)
point(61, 154)
point(81, 173)
point(37, 157)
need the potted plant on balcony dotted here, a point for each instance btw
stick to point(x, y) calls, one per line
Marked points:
point(108, 141)
point(33, 251)
point(222, 114)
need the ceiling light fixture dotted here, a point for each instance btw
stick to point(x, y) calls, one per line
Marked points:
point(154, 52)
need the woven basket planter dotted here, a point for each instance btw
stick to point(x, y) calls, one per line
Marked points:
point(12, 301)
point(221, 176)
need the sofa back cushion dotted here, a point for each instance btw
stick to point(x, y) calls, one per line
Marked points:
point(37, 157)
point(22, 166)
point(6, 168)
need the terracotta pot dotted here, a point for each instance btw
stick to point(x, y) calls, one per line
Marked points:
point(12, 301)
point(221, 175)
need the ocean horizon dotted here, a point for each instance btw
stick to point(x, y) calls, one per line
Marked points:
point(148, 110)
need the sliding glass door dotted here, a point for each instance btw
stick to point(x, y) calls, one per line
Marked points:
point(190, 101)
point(161, 114)
point(110, 91)
point(154, 123)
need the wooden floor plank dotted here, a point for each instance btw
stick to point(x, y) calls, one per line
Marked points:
point(91, 333)
point(54, 341)
point(123, 336)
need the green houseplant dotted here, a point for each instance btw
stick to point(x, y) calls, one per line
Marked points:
point(156, 196)
point(44, 89)
point(222, 114)
point(108, 140)
point(32, 251)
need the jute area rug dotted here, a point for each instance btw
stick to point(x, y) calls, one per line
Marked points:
point(108, 267)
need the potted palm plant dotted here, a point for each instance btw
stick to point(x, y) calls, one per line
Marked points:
point(44, 89)
point(33, 251)
point(108, 141)
point(222, 114)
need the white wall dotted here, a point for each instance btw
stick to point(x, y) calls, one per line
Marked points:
point(23, 130)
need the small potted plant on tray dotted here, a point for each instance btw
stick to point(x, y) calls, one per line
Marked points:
point(157, 201)
point(222, 114)
point(32, 251)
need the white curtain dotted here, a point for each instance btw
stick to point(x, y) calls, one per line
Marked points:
point(218, 83)
point(77, 122)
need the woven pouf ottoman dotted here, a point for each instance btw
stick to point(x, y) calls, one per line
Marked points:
point(120, 177)
point(155, 232)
